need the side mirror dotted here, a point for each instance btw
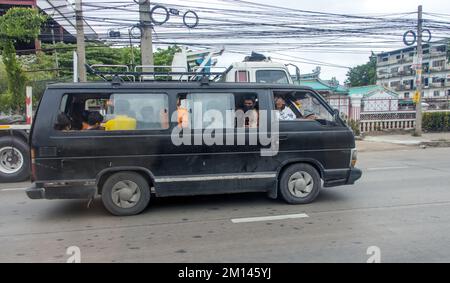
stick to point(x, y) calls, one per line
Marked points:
point(336, 115)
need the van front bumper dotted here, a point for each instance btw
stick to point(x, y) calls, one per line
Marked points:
point(354, 175)
point(66, 192)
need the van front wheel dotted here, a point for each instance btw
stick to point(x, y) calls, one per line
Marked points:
point(125, 193)
point(300, 184)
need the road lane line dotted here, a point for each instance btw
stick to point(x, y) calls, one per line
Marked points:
point(387, 168)
point(12, 189)
point(268, 218)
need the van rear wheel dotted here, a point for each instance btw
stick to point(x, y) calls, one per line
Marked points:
point(125, 193)
point(300, 184)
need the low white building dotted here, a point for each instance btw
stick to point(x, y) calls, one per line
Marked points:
point(375, 98)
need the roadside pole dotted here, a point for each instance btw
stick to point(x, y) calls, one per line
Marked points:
point(81, 45)
point(146, 33)
point(418, 128)
point(55, 52)
point(29, 105)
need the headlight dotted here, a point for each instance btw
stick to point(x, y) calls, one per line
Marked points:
point(354, 157)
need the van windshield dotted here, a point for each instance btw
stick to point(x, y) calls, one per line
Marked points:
point(271, 76)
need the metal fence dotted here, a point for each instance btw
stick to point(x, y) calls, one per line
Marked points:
point(342, 103)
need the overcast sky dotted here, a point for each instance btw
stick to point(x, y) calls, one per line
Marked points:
point(361, 7)
point(352, 7)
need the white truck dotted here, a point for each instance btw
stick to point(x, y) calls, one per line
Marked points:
point(255, 68)
point(14, 149)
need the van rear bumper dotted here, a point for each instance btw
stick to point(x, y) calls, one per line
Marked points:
point(66, 192)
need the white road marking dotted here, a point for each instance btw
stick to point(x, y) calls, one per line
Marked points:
point(268, 218)
point(387, 168)
point(12, 189)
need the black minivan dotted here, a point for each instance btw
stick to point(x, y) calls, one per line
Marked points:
point(129, 142)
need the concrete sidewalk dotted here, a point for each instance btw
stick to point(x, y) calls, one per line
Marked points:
point(406, 141)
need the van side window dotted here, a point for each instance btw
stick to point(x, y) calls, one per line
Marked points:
point(217, 110)
point(113, 112)
point(81, 112)
point(298, 106)
point(140, 111)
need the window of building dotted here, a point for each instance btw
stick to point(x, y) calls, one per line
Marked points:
point(395, 84)
point(426, 51)
point(406, 95)
point(437, 80)
point(439, 63)
point(394, 70)
point(441, 48)
point(436, 93)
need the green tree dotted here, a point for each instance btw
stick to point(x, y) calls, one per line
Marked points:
point(17, 24)
point(363, 75)
point(100, 53)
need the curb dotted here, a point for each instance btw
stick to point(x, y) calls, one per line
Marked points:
point(444, 143)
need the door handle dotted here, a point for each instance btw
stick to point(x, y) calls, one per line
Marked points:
point(283, 137)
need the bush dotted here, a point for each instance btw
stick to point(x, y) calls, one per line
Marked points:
point(354, 125)
point(436, 121)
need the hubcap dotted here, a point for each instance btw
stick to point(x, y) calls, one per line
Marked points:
point(11, 160)
point(126, 194)
point(300, 184)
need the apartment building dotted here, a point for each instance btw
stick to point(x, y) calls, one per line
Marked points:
point(395, 70)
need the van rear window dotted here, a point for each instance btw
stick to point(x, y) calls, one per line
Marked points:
point(112, 112)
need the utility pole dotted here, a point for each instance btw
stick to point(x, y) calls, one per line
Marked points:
point(131, 49)
point(55, 52)
point(418, 128)
point(81, 46)
point(146, 33)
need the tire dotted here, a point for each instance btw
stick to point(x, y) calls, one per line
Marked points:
point(14, 159)
point(305, 184)
point(118, 188)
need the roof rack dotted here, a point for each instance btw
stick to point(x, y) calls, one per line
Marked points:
point(121, 73)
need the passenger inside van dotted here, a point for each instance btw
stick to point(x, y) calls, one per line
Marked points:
point(63, 122)
point(122, 107)
point(284, 113)
point(79, 116)
point(94, 120)
point(250, 112)
point(150, 121)
point(182, 113)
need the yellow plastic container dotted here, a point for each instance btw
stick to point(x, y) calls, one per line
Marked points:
point(120, 123)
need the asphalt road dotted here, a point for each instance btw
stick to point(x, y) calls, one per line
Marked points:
point(401, 205)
